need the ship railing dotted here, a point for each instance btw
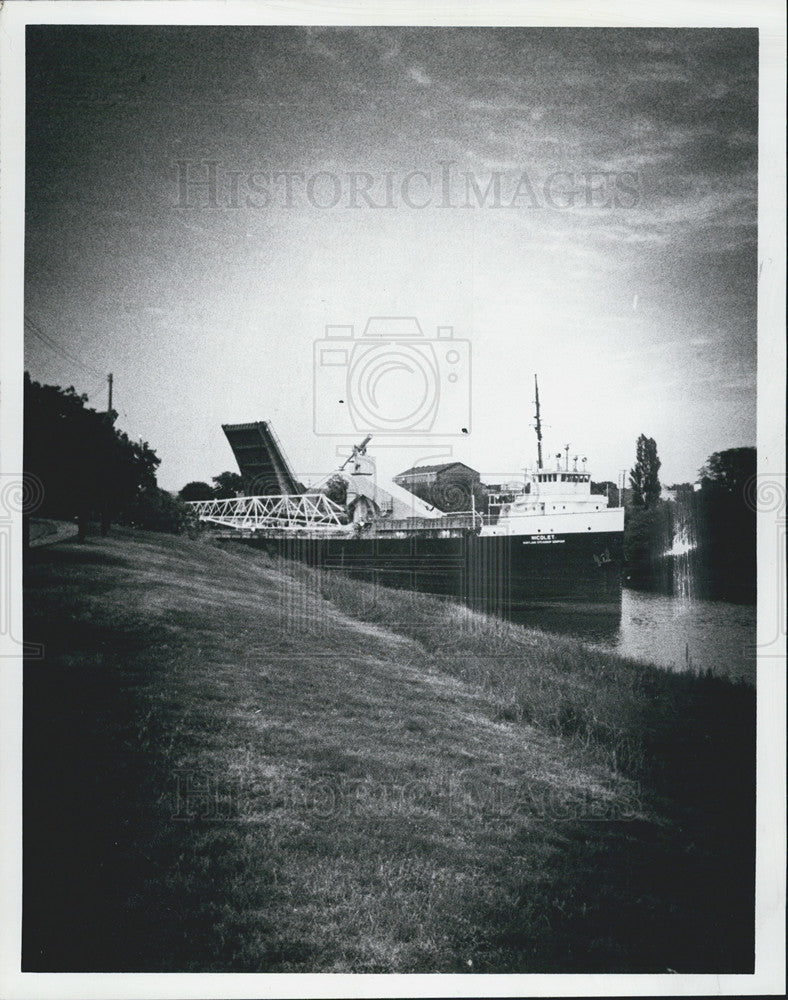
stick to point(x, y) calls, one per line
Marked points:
point(496, 501)
point(461, 520)
point(293, 512)
point(468, 518)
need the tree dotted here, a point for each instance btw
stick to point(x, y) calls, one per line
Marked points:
point(644, 477)
point(607, 489)
point(87, 467)
point(227, 485)
point(336, 489)
point(729, 470)
point(196, 491)
point(155, 509)
point(646, 536)
point(126, 469)
point(727, 521)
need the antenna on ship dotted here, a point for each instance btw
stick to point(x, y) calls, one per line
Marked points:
point(538, 428)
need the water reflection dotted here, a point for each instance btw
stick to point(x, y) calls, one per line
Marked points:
point(598, 623)
point(689, 634)
point(693, 573)
point(676, 632)
point(681, 558)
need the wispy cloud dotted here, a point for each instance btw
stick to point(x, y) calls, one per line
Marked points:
point(417, 74)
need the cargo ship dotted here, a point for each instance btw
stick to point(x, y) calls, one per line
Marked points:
point(544, 538)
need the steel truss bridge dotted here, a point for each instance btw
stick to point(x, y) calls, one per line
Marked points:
point(313, 512)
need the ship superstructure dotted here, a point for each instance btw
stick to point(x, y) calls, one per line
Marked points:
point(552, 503)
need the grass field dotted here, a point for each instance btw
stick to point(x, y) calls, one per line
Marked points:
point(233, 764)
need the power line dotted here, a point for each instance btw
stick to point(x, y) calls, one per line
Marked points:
point(54, 345)
point(49, 341)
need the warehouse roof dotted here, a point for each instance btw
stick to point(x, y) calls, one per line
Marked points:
point(414, 469)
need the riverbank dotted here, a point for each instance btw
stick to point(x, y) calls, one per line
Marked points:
point(234, 764)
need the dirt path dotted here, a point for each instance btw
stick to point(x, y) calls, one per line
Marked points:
point(43, 532)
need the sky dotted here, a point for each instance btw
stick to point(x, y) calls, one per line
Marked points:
point(202, 203)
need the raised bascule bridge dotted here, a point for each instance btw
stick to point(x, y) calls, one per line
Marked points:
point(275, 500)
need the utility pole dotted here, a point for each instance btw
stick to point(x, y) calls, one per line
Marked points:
point(109, 393)
point(538, 428)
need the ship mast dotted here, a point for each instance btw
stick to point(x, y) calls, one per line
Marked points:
point(538, 428)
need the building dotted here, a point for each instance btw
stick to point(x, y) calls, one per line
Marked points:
point(450, 486)
point(429, 475)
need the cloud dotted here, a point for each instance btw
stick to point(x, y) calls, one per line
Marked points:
point(419, 76)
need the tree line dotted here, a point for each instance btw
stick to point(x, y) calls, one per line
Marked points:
point(714, 519)
point(88, 468)
point(91, 471)
point(225, 486)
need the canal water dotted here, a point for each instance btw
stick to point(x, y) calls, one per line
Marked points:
point(678, 633)
point(691, 610)
point(689, 633)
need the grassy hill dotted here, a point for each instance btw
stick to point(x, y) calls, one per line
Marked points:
point(233, 764)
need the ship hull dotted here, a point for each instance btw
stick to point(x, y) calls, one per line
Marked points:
point(493, 573)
